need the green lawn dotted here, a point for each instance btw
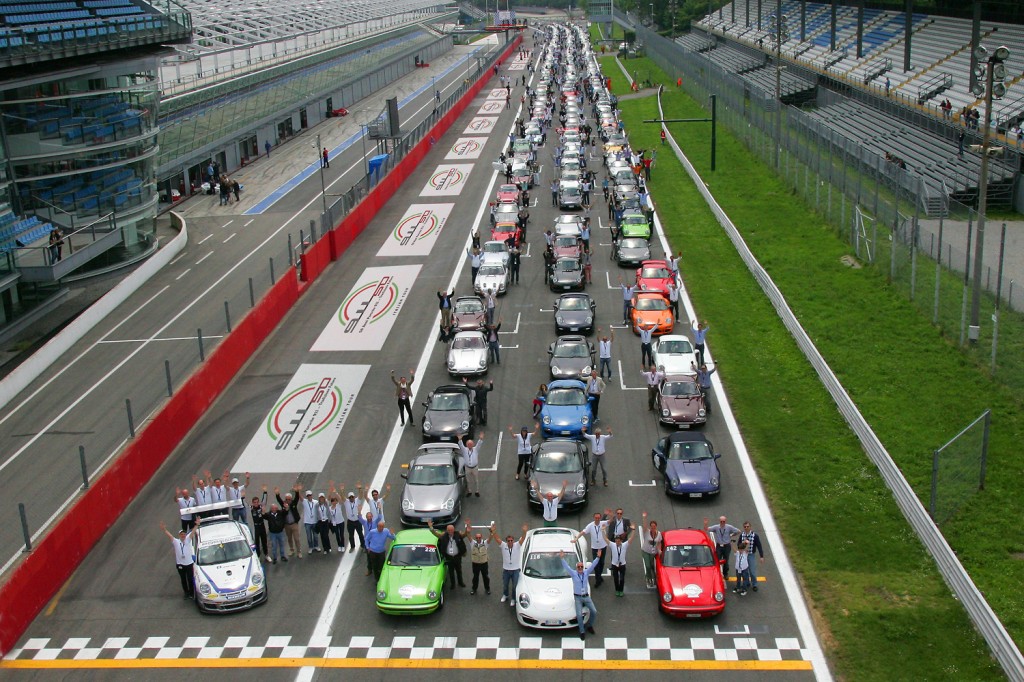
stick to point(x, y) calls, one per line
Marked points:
point(882, 609)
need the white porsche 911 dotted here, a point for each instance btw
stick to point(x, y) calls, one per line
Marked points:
point(544, 597)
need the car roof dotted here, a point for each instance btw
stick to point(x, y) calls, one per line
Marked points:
point(435, 447)
point(468, 298)
point(566, 383)
point(654, 263)
point(575, 294)
point(673, 337)
point(570, 338)
point(687, 437)
point(415, 536)
point(452, 388)
point(221, 530)
point(541, 539)
point(432, 458)
point(649, 294)
point(679, 377)
point(475, 332)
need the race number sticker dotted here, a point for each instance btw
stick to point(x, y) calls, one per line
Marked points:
point(481, 125)
point(448, 180)
point(466, 148)
point(369, 310)
point(302, 427)
point(417, 231)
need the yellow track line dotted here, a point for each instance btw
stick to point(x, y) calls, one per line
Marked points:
point(407, 664)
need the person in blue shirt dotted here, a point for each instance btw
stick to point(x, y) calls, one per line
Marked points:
point(581, 594)
point(376, 545)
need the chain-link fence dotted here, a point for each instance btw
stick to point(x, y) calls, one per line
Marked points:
point(895, 219)
point(958, 469)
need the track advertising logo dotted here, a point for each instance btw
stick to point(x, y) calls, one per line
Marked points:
point(305, 413)
point(446, 178)
point(417, 226)
point(368, 304)
point(490, 107)
point(465, 147)
point(481, 125)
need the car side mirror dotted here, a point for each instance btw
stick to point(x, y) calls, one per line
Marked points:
point(555, 305)
point(405, 475)
point(717, 455)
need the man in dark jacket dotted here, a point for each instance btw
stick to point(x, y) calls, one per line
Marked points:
point(452, 546)
point(292, 516)
point(480, 391)
point(444, 299)
point(276, 519)
point(259, 525)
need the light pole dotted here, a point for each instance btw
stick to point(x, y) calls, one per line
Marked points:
point(652, 15)
point(779, 33)
point(672, 11)
point(323, 187)
point(990, 67)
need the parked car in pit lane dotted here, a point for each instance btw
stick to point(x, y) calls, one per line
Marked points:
point(467, 354)
point(631, 250)
point(412, 581)
point(566, 274)
point(571, 357)
point(448, 413)
point(494, 251)
point(566, 409)
point(681, 402)
point(544, 596)
point(648, 309)
point(468, 313)
point(435, 484)
point(688, 575)
point(575, 312)
point(654, 275)
point(508, 194)
point(688, 464)
point(554, 462)
point(674, 354)
point(491, 277)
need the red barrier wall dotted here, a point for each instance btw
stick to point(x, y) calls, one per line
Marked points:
point(52, 561)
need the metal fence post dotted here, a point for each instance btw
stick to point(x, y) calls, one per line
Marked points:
point(252, 295)
point(984, 449)
point(85, 470)
point(167, 374)
point(272, 280)
point(131, 421)
point(967, 280)
point(24, 527)
point(935, 484)
point(199, 337)
point(227, 316)
point(291, 251)
point(312, 232)
point(938, 272)
point(999, 293)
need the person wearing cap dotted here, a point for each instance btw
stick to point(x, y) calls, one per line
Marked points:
point(479, 557)
point(290, 507)
point(237, 492)
point(549, 503)
point(581, 593)
point(183, 558)
point(524, 448)
point(185, 501)
point(323, 522)
point(309, 520)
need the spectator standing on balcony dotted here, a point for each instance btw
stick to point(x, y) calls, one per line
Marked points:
point(960, 142)
point(56, 242)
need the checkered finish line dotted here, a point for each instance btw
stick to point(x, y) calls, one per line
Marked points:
point(595, 648)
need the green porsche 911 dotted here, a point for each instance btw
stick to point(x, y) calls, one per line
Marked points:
point(412, 581)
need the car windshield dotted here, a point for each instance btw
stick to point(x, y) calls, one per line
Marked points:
point(553, 462)
point(636, 243)
point(675, 347)
point(431, 474)
point(568, 265)
point(565, 242)
point(567, 220)
point(470, 306)
point(573, 349)
point(654, 273)
point(491, 271)
point(413, 555)
point(566, 396)
point(635, 220)
point(570, 164)
point(680, 389)
point(688, 556)
point(508, 188)
point(690, 451)
point(573, 303)
point(447, 402)
point(495, 247)
point(467, 342)
point(545, 566)
point(571, 191)
point(649, 303)
point(223, 552)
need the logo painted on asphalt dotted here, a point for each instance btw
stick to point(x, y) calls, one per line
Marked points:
point(467, 148)
point(367, 313)
point(417, 230)
point(447, 180)
point(481, 124)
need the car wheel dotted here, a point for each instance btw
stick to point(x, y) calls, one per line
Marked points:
point(440, 600)
point(668, 487)
point(654, 461)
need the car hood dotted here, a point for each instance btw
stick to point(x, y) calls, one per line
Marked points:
point(489, 281)
point(563, 276)
point(677, 363)
point(546, 595)
point(635, 252)
point(429, 498)
point(566, 414)
point(552, 483)
point(575, 316)
point(691, 586)
point(467, 357)
point(469, 321)
point(681, 406)
point(407, 583)
point(230, 576)
point(571, 364)
point(699, 471)
point(445, 420)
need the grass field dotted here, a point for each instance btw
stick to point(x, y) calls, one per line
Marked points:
point(883, 610)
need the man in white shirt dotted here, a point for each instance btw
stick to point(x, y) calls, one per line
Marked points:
point(471, 463)
point(237, 492)
point(549, 503)
point(309, 521)
point(650, 547)
point(652, 378)
point(646, 350)
point(524, 448)
point(604, 355)
point(598, 450)
point(595, 387)
point(595, 536)
point(627, 300)
point(183, 558)
point(723, 535)
point(618, 544)
point(202, 492)
point(218, 493)
point(375, 502)
point(185, 501)
point(511, 562)
point(353, 511)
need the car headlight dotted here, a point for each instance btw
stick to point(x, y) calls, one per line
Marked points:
point(381, 594)
point(257, 579)
point(205, 588)
point(586, 370)
point(701, 412)
point(555, 370)
point(449, 504)
point(665, 412)
point(547, 420)
point(524, 600)
point(673, 481)
point(407, 505)
point(584, 420)
point(532, 490)
point(482, 362)
point(432, 595)
point(667, 597)
point(559, 319)
point(719, 597)
point(714, 482)
point(464, 425)
point(581, 489)
point(426, 425)
point(589, 319)
point(451, 363)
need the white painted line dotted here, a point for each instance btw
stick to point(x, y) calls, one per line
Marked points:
point(228, 222)
point(608, 279)
point(205, 238)
point(188, 270)
point(169, 338)
point(622, 384)
point(527, 254)
point(744, 631)
point(497, 454)
point(177, 259)
point(332, 602)
point(652, 484)
point(204, 258)
point(519, 316)
point(247, 224)
point(233, 235)
point(545, 310)
point(509, 347)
